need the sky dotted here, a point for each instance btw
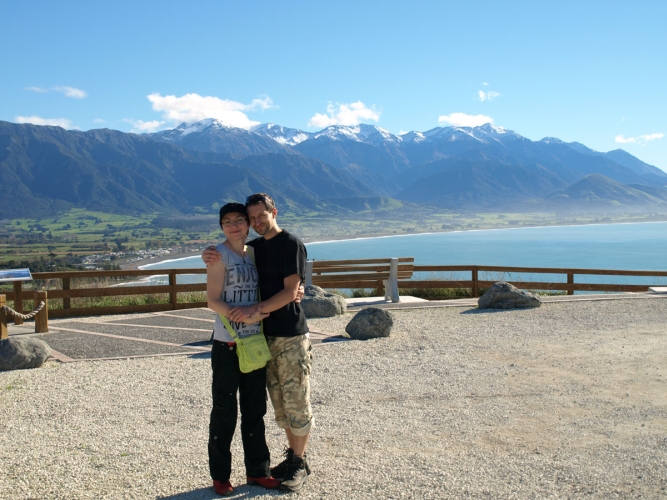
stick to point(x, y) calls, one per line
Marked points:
point(592, 72)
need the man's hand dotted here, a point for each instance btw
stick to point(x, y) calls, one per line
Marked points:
point(300, 294)
point(256, 317)
point(210, 255)
point(244, 313)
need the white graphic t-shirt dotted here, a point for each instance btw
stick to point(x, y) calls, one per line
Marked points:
point(240, 289)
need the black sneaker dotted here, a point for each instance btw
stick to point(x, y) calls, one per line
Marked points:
point(296, 474)
point(280, 470)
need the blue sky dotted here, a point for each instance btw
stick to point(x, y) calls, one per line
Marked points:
point(592, 72)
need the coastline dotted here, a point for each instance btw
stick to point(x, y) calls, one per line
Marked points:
point(183, 255)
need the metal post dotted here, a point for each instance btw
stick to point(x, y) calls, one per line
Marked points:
point(392, 282)
point(309, 272)
point(18, 301)
point(42, 317)
point(4, 333)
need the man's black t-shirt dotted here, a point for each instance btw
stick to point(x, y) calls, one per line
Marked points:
point(276, 259)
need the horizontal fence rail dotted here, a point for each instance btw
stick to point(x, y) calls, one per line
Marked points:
point(63, 284)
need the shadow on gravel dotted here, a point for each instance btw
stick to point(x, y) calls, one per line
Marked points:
point(241, 491)
point(490, 311)
point(201, 355)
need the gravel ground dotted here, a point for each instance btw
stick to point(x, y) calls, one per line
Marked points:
point(564, 401)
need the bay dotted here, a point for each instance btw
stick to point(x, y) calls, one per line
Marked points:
point(631, 246)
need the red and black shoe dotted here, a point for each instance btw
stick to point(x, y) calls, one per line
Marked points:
point(223, 488)
point(268, 482)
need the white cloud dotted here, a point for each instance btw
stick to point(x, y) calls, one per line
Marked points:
point(37, 120)
point(191, 108)
point(71, 92)
point(463, 120)
point(141, 127)
point(344, 114)
point(487, 96)
point(640, 140)
point(99, 120)
point(486, 84)
point(36, 89)
point(263, 103)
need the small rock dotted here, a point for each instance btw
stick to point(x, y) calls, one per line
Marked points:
point(370, 323)
point(317, 303)
point(18, 354)
point(503, 295)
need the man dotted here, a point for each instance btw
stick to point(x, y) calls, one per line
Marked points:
point(280, 258)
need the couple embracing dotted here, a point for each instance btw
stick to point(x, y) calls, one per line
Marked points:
point(253, 288)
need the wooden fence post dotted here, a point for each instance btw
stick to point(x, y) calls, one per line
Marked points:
point(66, 286)
point(4, 333)
point(18, 301)
point(475, 283)
point(173, 295)
point(570, 281)
point(42, 317)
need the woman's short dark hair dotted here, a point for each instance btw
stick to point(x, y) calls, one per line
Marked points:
point(231, 208)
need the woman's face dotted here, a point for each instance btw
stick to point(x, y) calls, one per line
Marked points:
point(235, 226)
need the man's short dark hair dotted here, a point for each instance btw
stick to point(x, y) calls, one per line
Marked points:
point(256, 198)
point(231, 208)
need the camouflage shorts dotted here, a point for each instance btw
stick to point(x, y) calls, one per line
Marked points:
point(288, 381)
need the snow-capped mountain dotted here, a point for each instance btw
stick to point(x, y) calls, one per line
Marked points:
point(369, 134)
point(369, 151)
point(213, 135)
point(282, 135)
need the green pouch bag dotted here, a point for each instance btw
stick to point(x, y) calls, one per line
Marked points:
point(253, 351)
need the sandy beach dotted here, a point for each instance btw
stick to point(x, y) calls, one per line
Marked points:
point(564, 401)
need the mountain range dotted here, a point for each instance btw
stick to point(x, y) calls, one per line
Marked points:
point(197, 166)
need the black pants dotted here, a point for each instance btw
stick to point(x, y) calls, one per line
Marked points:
point(227, 380)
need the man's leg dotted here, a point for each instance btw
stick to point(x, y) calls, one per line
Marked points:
point(297, 443)
point(288, 379)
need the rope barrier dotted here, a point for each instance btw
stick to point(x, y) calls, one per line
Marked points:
point(11, 312)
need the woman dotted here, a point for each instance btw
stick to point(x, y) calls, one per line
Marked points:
point(232, 282)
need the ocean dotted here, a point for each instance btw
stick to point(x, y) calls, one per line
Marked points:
point(632, 246)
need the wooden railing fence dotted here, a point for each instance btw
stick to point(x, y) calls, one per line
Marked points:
point(69, 290)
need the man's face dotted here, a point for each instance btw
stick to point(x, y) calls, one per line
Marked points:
point(261, 220)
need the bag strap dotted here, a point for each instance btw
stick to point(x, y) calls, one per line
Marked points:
point(224, 319)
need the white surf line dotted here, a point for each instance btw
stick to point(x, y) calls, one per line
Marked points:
point(136, 339)
point(155, 326)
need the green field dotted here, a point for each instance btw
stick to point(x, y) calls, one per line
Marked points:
point(68, 239)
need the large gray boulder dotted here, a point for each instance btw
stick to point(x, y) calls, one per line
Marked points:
point(503, 295)
point(370, 323)
point(17, 354)
point(317, 303)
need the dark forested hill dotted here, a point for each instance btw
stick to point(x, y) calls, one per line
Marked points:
point(48, 169)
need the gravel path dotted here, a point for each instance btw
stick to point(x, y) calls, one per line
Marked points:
point(564, 401)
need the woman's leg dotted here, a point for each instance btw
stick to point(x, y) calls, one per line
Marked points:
point(226, 375)
point(252, 399)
